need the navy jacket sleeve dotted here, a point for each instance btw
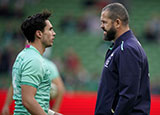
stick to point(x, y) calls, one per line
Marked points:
point(129, 68)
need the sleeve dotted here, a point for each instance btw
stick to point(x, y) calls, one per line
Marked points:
point(53, 70)
point(129, 80)
point(32, 73)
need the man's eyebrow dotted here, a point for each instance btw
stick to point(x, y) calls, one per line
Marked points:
point(50, 28)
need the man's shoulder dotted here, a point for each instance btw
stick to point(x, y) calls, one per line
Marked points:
point(130, 44)
point(49, 62)
point(130, 47)
point(29, 57)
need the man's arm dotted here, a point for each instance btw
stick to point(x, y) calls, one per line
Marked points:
point(9, 99)
point(60, 89)
point(30, 103)
point(129, 81)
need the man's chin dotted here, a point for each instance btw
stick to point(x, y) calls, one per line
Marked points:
point(105, 38)
point(49, 45)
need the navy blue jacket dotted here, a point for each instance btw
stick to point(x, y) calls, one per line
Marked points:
point(124, 88)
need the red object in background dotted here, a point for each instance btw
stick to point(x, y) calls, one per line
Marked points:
point(82, 103)
point(155, 105)
point(79, 103)
point(3, 95)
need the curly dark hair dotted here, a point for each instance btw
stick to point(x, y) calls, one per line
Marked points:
point(34, 23)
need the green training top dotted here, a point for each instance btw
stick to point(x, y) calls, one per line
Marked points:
point(53, 69)
point(30, 69)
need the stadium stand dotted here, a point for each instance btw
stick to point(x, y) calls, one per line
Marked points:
point(89, 47)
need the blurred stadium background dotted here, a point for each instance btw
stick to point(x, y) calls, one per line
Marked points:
point(78, 49)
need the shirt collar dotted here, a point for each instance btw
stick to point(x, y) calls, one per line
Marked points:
point(32, 47)
point(123, 38)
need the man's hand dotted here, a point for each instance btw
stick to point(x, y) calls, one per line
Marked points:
point(5, 110)
point(50, 112)
point(58, 114)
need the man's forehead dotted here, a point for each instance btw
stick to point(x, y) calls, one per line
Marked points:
point(104, 15)
point(48, 23)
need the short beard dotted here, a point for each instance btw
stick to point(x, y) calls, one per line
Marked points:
point(110, 34)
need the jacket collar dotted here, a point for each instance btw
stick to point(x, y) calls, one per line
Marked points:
point(123, 38)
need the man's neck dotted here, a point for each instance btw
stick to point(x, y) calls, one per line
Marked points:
point(121, 31)
point(38, 46)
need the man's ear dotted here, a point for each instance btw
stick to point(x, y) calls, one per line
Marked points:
point(118, 23)
point(38, 34)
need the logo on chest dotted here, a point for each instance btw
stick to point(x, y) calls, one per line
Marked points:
point(108, 60)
